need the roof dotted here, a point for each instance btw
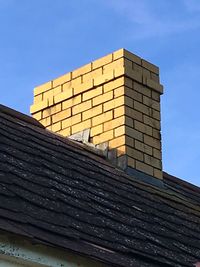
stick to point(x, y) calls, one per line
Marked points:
point(55, 191)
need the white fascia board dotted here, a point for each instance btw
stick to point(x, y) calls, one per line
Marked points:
point(19, 252)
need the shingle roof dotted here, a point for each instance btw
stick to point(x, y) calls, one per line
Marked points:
point(55, 191)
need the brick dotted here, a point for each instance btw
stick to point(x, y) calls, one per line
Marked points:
point(81, 70)
point(37, 116)
point(154, 85)
point(42, 88)
point(128, 82)
point(114, 123)
point(129, 141)
point(61, 115)
point(104, 78)
point(141, 127)
point(124, 53)
point(158, 174)
point(121, 140)
point(120, 111)
point(57, 90)
point(81, 126)
point(96, 130)
point(146, 73)
point(128, 63)
point(152, 142)
point(49, 96)
point(156, 134)
point(67, 86)
point(142, 108)
point(65, 132)
point(102, 98)
point(157, 153)
point(52, 92)
point(114, 103)
point(144, 167)
point(39, 106)
point(155, 77)
point(62, 79)
point(132, 57)
point(118, 54)
point(92, 93)
point(137, 68)
point(150, 66)
point(134, 153)
point(120, 71)
point(113, 84)
point(52, 110)
point(133, 94)
point(63, 96)
point(129, 121)
point(105, 136)
point(119, 131)
point(71, 121)
point(50, 101)
point(134, 114)
point(152, 122)
point(71, 84)
point(131, 162)
point(116, 142)
point(77, 81)
point(155, 114)
point(152, 161)
point(133, 133)
point(46, 122)
point(93, 74)
point(143, 147)
point(102, 61)
point(151, 103)
point(38, 98)
point(92, 112)
point(156, 96)
point(71, 102)
point(82, 107)
point(119, 91)
point(135, 75)
point(56, 127)
point(113, 65)
point(128, 101)
point(83, 87)
point(107, 116)
point(142, 89)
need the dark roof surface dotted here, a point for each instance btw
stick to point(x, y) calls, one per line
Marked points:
point(54, 191)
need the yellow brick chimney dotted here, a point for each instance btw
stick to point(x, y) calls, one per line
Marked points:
point(117, 98)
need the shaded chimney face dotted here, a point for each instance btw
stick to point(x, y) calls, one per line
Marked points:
point(117, 97)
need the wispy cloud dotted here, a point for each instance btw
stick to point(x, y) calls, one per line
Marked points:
point(147, 21)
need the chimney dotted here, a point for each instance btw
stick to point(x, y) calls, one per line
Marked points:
point(117, 98)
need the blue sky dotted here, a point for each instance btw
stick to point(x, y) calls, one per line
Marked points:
point(43, 39)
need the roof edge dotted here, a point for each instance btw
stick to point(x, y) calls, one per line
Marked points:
point(20, 116)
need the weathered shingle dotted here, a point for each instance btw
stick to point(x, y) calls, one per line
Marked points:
point(58, 192)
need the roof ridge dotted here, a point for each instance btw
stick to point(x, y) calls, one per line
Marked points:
point(20, 116)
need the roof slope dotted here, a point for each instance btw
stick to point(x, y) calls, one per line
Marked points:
point(55, 191)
